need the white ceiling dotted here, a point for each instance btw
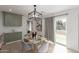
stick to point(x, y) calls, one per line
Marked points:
point(45, 9)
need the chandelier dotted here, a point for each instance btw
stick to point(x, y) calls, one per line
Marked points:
point(34, 14)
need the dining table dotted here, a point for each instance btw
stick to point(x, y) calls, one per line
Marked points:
point(36, 43)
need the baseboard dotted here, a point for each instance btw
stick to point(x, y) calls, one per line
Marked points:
point(73, 50)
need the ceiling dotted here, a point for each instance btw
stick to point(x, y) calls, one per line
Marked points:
point(45, 9)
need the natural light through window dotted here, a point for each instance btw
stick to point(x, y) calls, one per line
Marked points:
point(60, 29)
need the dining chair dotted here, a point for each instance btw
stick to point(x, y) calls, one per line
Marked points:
point(44, 47)
point(27, 47)
point(2, 44)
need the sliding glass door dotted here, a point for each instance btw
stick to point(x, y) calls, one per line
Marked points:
point(60, 29)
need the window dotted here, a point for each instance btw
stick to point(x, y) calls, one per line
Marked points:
point(11, 19)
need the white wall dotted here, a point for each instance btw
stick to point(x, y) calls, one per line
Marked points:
point(72, 27)
point(6, 29)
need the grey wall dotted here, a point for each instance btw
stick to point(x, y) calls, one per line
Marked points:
point(6, 29)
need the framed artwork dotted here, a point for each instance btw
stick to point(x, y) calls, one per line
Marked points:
point(36, 24)
point(39, 24)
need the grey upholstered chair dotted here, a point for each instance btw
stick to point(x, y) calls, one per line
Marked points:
point(26, 47)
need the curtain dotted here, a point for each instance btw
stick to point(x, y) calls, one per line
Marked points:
point(49, 28)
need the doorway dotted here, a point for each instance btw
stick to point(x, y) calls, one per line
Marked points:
point(60, 29)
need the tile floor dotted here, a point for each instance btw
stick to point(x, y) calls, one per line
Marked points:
point(51, 48)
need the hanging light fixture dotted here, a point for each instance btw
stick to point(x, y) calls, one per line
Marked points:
point(34, 14)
